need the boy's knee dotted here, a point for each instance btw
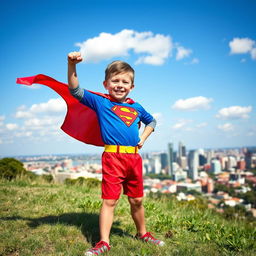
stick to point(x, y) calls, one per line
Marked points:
point(135, 202)
point(110, 202)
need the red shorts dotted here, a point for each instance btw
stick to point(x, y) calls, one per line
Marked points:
point(121, 170)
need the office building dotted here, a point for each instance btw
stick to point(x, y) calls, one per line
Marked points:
point(215, 166)
point(182, 161)
point(182, 150)
point(157, 164)
point(193, 164)
point(164, 162)
point(179, 175)
point(170, 159)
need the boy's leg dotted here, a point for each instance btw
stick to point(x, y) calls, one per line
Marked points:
point(137, 212)
point(106, 218)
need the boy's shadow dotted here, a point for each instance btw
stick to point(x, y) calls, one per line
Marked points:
point(87, 222)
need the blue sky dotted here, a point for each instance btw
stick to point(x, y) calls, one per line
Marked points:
point(195, 64)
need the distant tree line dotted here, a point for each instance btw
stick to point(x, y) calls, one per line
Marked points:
point(249, 197)
point(11, 168)
point(81, 181)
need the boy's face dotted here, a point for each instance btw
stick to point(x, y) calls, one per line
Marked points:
point(119, 86)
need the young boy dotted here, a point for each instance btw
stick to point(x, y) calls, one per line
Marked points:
point(119, 119)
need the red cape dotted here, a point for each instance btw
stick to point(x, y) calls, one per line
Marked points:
point(80, 122)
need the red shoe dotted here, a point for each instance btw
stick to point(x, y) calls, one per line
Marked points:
point(99, 249)
point(150, 239)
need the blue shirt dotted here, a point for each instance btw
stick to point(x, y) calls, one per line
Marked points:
point(119, 122)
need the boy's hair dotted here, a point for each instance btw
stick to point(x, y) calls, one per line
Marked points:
point(117, 67)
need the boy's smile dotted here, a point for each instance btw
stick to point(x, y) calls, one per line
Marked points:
point(119, 86)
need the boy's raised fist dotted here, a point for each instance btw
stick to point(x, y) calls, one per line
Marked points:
point(74, 57)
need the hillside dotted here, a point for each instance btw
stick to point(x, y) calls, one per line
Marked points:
point(49, 219)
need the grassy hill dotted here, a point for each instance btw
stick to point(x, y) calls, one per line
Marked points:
point(39, 218)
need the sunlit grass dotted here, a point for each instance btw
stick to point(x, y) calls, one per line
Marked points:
point(51, 219)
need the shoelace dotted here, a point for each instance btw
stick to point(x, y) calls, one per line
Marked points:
point(99, 247)
point(148, 237)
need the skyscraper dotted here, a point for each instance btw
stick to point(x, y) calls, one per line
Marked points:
point(193, 163)
point(170, 159)
point(183, 162)
point(248, 159)
point(157, 164)
point(202, 160)
point(164, 162)
point(215, 166)
point(182, 150)
point(181, 159)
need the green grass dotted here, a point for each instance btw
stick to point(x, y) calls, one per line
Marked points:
point(50, 219)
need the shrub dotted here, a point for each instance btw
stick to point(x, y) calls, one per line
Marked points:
point(92, 183)
point(69, 182)
point(11, 168)
point(81, 181)
point(31, 176)
point(47, 177)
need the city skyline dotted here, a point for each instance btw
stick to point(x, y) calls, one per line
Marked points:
point(194, 61)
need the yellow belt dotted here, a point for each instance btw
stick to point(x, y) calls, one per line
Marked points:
point(121, 149)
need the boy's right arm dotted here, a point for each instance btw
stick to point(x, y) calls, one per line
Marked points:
point(73, 84)
point(73, 59)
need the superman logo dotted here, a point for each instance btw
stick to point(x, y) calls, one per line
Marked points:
point(126, 114)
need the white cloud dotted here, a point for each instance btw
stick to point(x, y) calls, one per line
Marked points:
point(181, 124)
point(39, 128)
point(1, 120)
point(195, 61)
point(204, 124)
point(194, 103)
point(52, 106)
point(11, 126)
point(23, 114)
point(253, 53)
point(234, 112)
point(152, 60)
point(182, 53)
point(252, 131)
point(23, 134)
point(155, 48)
point(226, 127)
point(21, 107)
point(40, 123)
point(243, 46)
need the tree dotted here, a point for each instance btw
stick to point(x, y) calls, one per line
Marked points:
point(11, 168)
point(224, 188)
point(81, 181)
point(250, 198)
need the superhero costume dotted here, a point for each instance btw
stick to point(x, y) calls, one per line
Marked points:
point(102, 121)
point(118, 121)
point(78, 114)
point(119, 126)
